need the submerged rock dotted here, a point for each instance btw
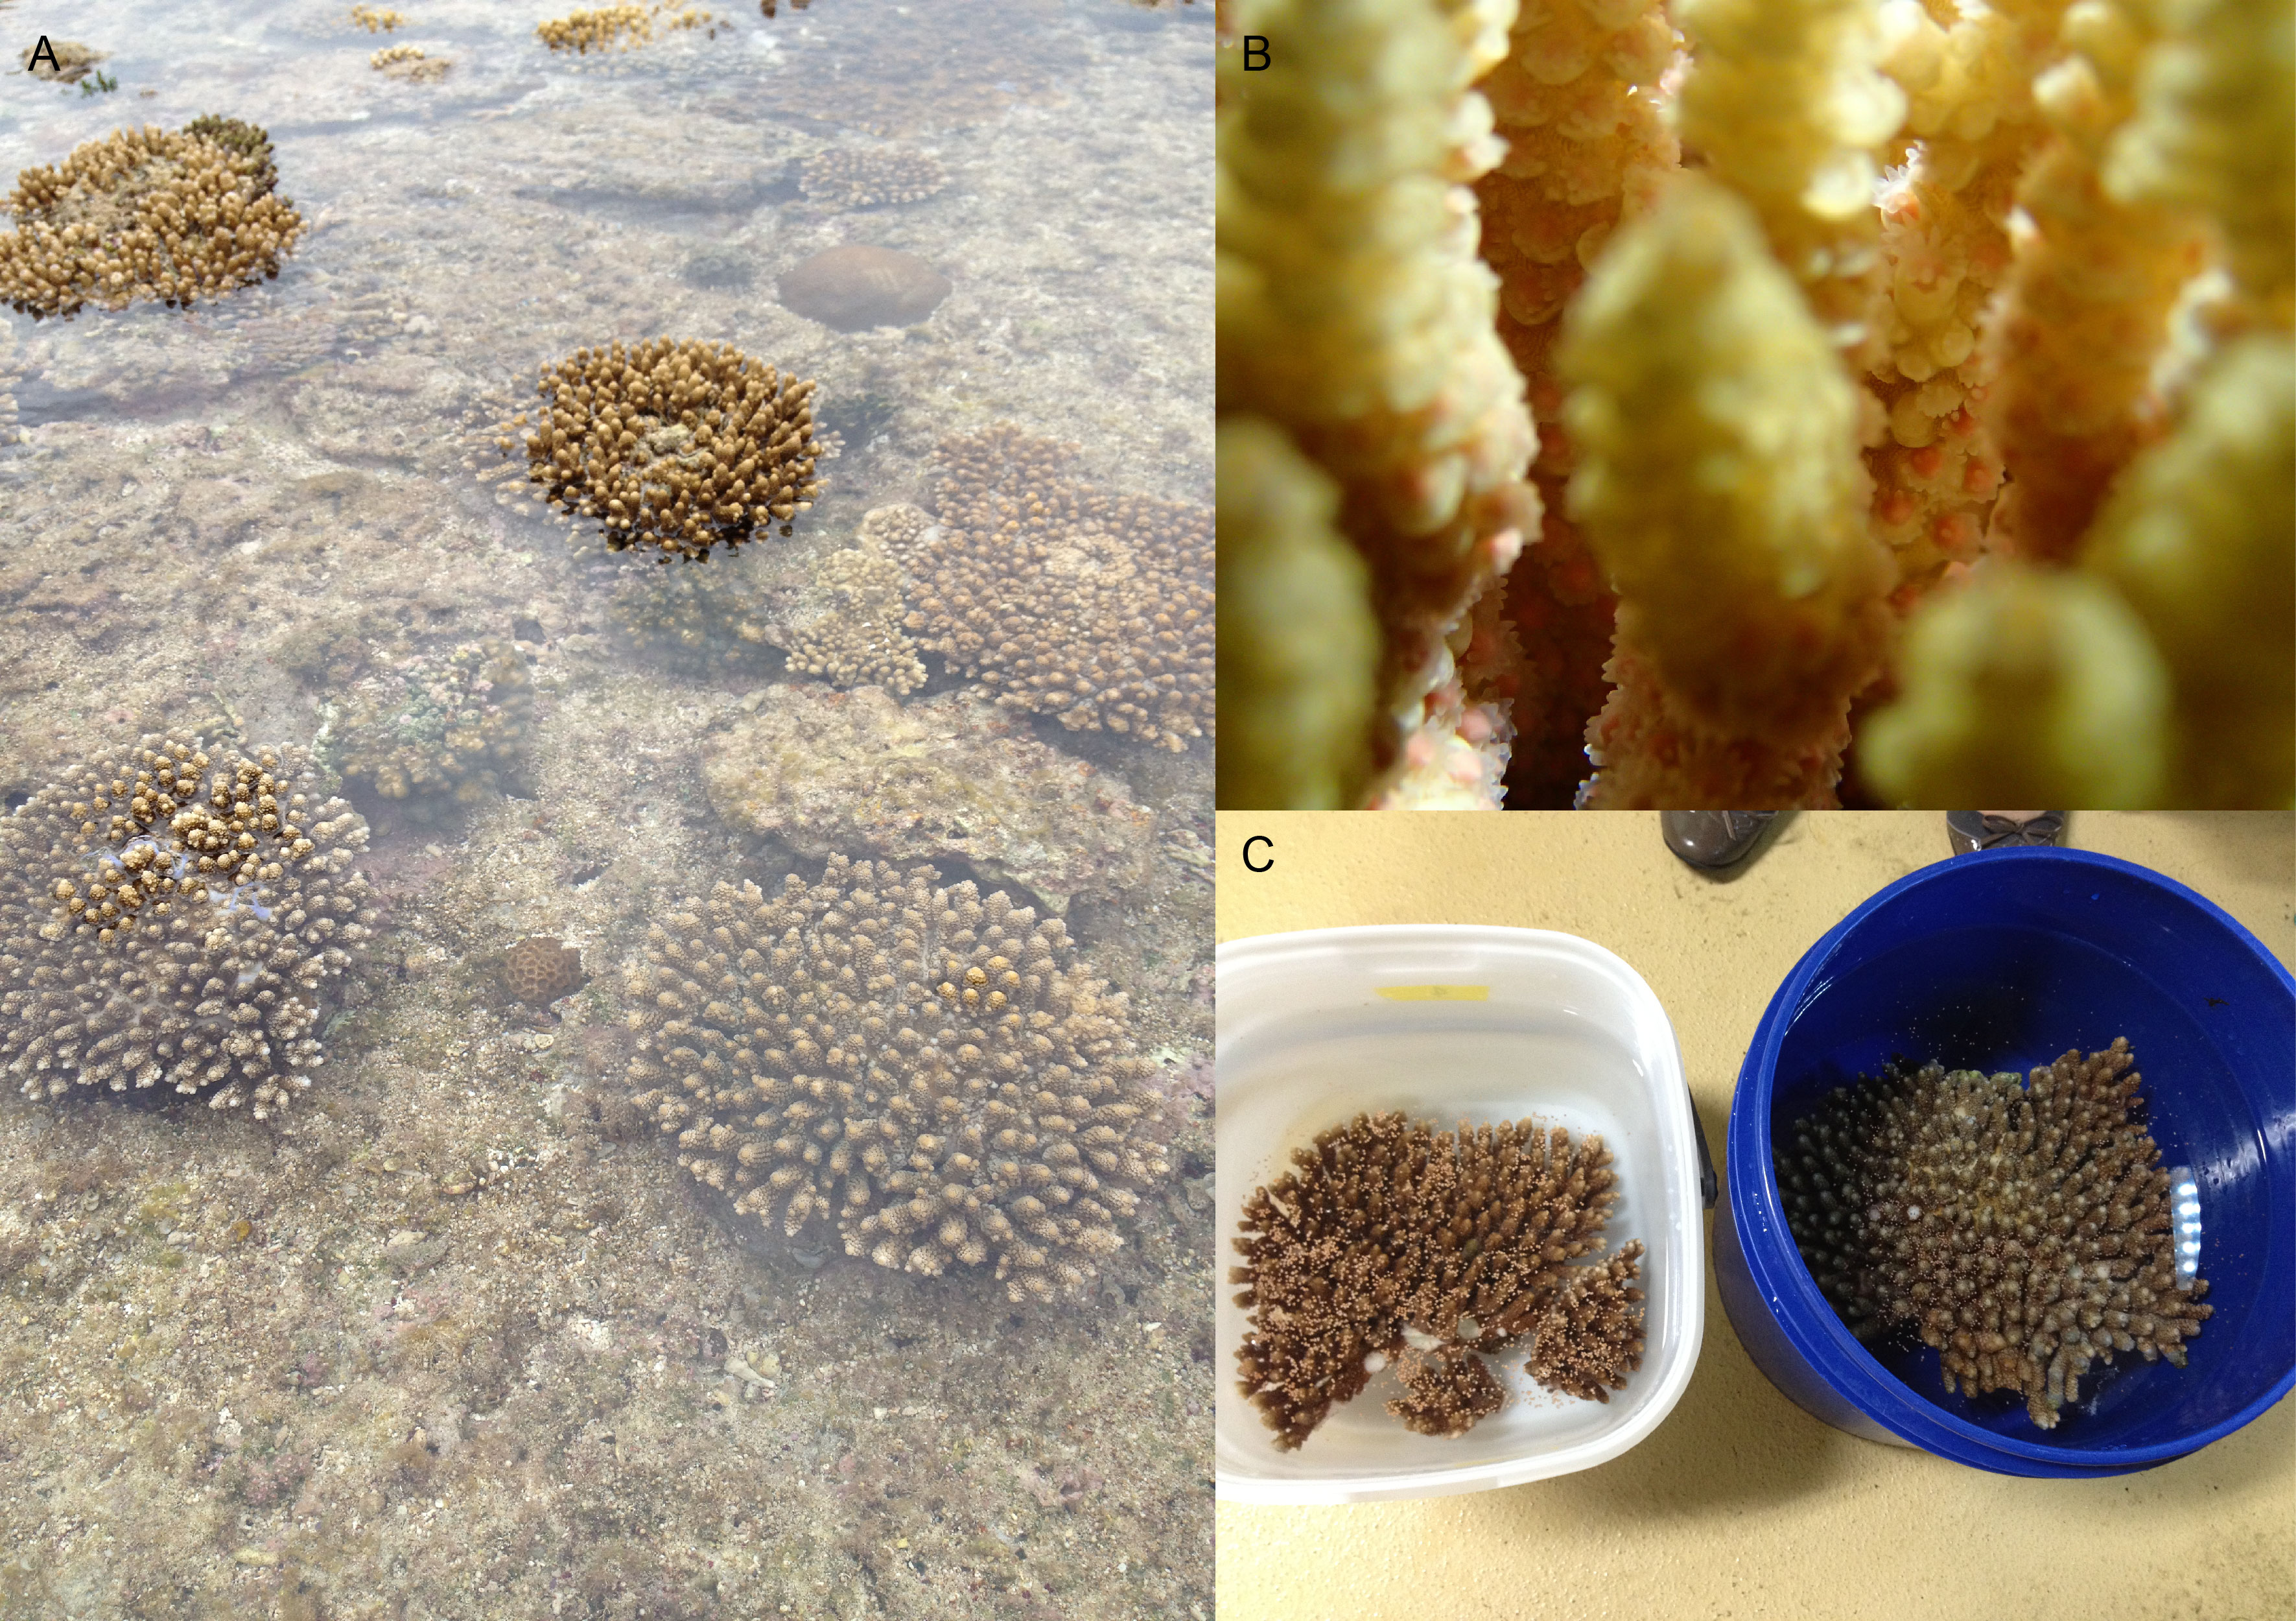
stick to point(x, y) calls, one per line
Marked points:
point(828, 772)
point(855, 287)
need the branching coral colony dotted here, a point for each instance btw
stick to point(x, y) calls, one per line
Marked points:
point(1391, 1242)
point(683, 447)
point(168, 917)
point(175, 215)
point(1912, 384)
point(927, 1072)
point(2024, 1232)
point(1063, 599)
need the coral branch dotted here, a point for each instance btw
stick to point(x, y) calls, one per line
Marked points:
point(1720, 484)
point(1355, 315)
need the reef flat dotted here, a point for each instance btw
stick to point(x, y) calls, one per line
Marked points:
point(458, 1337)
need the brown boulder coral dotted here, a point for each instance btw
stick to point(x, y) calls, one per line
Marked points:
point(1063, 599)
point(1391, 1242)
point(170, 917)
point(856, 287)
point(940, 777)
point(2023, 1232)
point(147, 214)
point(926, 1070)
point(540, 970)
point(684, 447)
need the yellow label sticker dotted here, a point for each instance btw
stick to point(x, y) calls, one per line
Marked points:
point(1435, 994)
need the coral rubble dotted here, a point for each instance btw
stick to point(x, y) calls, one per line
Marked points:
point(1064, 599)
point(170, 917)
point(446, 726)
point(175, 215)
point(684, 447)
point(2024, 1232)
point(948, 777)
point(855, 287)
point(856, 640)
point(927, 1071)
point(846, 178)
point(1391, 1242)
point(540, 970)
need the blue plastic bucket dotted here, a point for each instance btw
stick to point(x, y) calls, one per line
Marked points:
point(1999, 960)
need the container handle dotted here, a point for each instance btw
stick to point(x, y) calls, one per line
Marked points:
point(1707, 1186)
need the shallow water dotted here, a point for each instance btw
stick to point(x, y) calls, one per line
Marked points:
point(446, 1342)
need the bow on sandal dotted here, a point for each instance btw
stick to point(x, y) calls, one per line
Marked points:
point(1969, 830)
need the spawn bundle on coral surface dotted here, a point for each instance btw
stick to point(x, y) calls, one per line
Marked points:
point(1063, 599)
point(2018, 257)
point(925, 1071)
point(1390, 1241)
point(172, 916)
point(175, 215)
point(2023, 1232)
point(684, 447)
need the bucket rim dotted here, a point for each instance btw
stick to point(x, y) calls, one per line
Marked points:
point(1831, 1350)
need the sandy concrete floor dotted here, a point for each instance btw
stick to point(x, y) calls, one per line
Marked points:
point(1740, 1504)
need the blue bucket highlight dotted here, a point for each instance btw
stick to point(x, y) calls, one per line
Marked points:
point(2004, 960)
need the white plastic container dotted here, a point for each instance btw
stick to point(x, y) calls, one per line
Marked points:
point(1446, 1024)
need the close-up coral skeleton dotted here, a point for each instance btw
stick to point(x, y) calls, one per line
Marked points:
point(1756, 403)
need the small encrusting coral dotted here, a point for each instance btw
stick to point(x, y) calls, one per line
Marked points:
point(616, 28)
point(540, 970)
point(682, 445)
point(1390, 1241)
point(843, 177)
point(448, 726)
point(926, 1070)
point(2022, 1232)
point(172, 917)
point(147, 214)
point(375, 22)
point(857, 639)
point(1063, 599)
